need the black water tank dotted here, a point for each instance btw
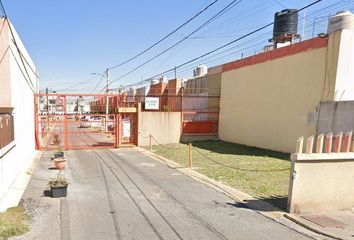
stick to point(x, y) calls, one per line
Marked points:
point(285, 22)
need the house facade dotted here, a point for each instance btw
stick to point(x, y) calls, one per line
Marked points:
point(18, 81)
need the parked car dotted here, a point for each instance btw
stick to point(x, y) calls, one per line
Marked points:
point(85, 122)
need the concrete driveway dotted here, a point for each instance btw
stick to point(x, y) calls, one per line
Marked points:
point(123, 194)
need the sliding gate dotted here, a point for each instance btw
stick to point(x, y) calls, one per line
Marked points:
point(77, 121)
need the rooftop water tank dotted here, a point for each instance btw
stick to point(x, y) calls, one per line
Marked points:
point(285, 25)
point(154, 81)
point(163, 79)
point(342, 20)
point(201, 70)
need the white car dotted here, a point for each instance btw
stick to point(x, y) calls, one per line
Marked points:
point(85, 122)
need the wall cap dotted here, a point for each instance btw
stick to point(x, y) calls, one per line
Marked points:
point(322, 156)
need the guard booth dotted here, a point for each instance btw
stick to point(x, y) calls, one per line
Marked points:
point(83, 121)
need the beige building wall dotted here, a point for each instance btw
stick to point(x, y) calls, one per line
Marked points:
point(165, 127)
point(5, 53)
point(270, 104)
point(16, 91)
point(321, 182)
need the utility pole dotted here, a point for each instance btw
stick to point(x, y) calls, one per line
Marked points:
point(107, 98)
point(46, 92)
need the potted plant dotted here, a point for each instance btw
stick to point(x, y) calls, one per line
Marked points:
point(59, 153)
point(58, 186)
point(59, 163)
point(56, 139)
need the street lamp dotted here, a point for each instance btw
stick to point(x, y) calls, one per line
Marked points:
point(105, 74)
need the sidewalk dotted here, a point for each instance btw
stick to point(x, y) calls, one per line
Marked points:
point(335, 224)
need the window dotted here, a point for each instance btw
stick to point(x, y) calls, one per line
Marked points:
point(6, 127)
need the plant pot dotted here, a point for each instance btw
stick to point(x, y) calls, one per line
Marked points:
point(57, 192)
point(59, 163)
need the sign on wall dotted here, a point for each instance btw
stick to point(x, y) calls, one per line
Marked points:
point(152, 103)
point(126, 128)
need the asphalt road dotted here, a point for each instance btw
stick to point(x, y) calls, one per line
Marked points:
point(79, 137)
point(122, 194)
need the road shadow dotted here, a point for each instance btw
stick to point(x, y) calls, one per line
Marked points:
point(46, 193)
point(265, 204)
point(238, 149)
point(103, 144)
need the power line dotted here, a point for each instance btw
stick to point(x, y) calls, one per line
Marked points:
point(218, 14)
point(227, 44)
point(280, 4)
point(77, 84)
point(164, 38)
point(102, 76)
point(17, 48)
point(28, 81)
point(339, 4)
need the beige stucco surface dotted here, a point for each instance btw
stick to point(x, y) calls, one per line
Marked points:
point(5, 94)
point(17, 89)
point(271, 104)
point(165, 127)
point(322, 184)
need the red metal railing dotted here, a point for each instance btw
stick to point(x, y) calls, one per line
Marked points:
point(68, 122)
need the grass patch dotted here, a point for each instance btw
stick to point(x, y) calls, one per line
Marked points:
point(259, 172)
point(13, 222)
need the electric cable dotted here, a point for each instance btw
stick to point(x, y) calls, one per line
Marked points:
point(218, 14)
point(221, 47)
point(167, 36)
point(77, 84)
point(17, 48)
point(94, 89)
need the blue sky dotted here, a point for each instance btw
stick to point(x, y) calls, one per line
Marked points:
point(70, 39)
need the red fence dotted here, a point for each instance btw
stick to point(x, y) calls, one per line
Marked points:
point(200, 113)
point(67, 121)
point(79, 121)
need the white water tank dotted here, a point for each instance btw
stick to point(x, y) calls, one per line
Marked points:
point(201, 70)
point(163, 79)
point(154, 81)
point(133, 90)
point(342, 20)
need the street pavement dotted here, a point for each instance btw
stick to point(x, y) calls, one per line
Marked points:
point(123, 194)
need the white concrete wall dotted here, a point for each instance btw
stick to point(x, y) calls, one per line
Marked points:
point(18, 159)
point(344, 88)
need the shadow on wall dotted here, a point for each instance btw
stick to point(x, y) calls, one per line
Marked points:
point(266, 204)
point(238, 149)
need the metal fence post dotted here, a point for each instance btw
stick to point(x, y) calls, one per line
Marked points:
point(190, 162)
point(150, 143)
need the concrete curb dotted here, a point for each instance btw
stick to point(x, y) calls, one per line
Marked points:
point(310, 226)
point(259, 206)
point(272, 212)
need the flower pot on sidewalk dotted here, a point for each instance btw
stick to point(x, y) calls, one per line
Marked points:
point(57, 192)
point(59, 154)
point(59, 163)
point(58, 187)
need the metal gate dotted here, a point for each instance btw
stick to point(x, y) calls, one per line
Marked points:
point(78, 121)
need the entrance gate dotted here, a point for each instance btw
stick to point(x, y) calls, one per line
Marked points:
point(79, 121)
